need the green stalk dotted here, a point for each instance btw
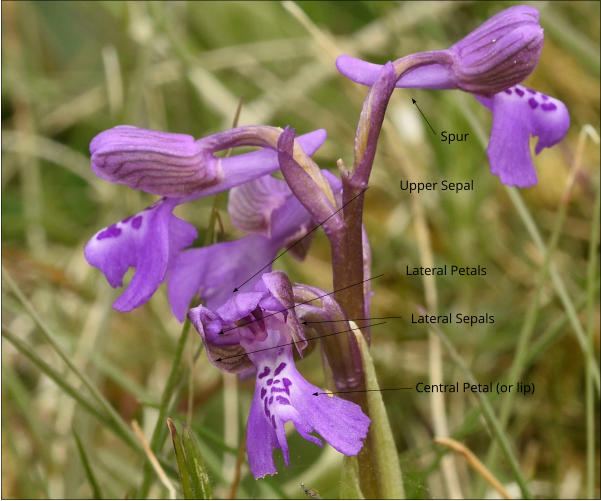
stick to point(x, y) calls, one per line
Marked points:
point(157, 435)
point(86, 465)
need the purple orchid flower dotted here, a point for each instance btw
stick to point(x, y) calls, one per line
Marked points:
point(155, 162)
point(489, 63)
point(274, 218)
point(258, 329)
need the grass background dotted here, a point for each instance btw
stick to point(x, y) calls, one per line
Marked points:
point(72, 69)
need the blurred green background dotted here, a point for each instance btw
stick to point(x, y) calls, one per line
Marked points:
point(72, 69)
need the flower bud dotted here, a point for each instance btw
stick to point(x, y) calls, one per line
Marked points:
point(500, 53)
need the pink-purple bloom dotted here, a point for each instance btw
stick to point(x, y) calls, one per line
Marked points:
point(260, 329)
point(489, 63)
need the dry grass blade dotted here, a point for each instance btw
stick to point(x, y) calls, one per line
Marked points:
point(475, 463)
point(153, 460)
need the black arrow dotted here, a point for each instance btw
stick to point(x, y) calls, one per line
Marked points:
point(361, 391)
point(416, 105)
point(307, 339)
point(299, 240)
point(299, 304)
point(344, 320)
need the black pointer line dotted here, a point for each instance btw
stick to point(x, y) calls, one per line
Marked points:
point(299, 304)
point(304, 236)
point(416, 105)
point(361, 391)
point(300, 341)
point(344, 320)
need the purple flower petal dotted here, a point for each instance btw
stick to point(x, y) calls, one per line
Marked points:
point(261, 442)
point(281, 393)
point(213, 272)
point(250, 205)
point(177, 165)
point(146, 242)
point(243, 168)
point(340, 422)
point(516, 116)
point(430, 76)
point(223, 348)
point(501, 52)
point(162, 163)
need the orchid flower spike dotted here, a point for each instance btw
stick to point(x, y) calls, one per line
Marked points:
point(489, 63)
point(181, 169)
point(260, 329)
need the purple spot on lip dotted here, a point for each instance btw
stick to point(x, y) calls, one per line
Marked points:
point(271, 399)
point(111, 232)
point(263, 392)
point(273, 421)
point(137, 222)
point(275, 389)
point(548, 106)
point(270, 381)
point(533, 92)
point(533, 103)
point(544, 97)
point(283, 401)
point(265, 372)
point(287, 383)
point(519, 92)
point(127, 219)
point(507, 91)
point(279, 368)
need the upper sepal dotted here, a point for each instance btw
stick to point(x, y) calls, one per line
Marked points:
point(162, 163)
point(500, 53)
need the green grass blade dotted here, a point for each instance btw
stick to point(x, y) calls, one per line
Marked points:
point(199, 475)
point(86, 466)
point(591, 280)
point(488, 413)
point(158, 436)
point(51, 339)
point(55, 376)
point(180, 459)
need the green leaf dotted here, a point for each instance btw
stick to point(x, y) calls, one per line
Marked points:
point(86, 466)
point(380, 439)
point(180, 458)
point(201, 484)
point(193, 473)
